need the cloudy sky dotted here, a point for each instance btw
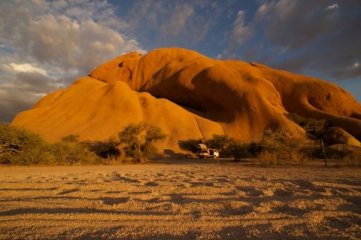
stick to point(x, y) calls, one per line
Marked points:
point(45, 45)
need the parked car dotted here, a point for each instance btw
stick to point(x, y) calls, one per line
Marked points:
point(214, 153)
point(205, 152)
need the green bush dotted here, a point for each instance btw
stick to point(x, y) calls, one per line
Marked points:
point(138, 141)
point(223, 143)
point(315, 128)
point(344, 154)
point(190, 145)
point(277, 146)
point(105, 149)
point(238, 150)
point(22, 147)
point(72, 152)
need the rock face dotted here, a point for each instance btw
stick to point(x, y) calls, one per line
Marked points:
point(188, 96)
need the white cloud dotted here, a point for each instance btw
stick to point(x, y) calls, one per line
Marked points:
point(27, 68)
point(285, 8)
point(261, 12)
point(178, 19)
point(240, 32)
point(48, 44)
point(72, 40)
point(332, 6)
point(164, 23)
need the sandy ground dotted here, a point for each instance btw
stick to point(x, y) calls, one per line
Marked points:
point(180, 201)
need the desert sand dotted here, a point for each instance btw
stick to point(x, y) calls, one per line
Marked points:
point(180, 201)
point(189, 96)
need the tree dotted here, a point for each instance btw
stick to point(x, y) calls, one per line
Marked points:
point(315, 128)
point(139, 139)
point(278, 145)
point(220, 142)
point(190, 145)
point(238, 150)
point(22, 147)
point(105, 149)
point(6, 150)
point(19, 146)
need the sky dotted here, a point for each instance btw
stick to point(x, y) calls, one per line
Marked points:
point(46, 45)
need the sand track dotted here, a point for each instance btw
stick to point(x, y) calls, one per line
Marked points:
point(179, 201)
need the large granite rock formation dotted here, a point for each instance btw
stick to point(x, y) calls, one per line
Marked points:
point(189, 96)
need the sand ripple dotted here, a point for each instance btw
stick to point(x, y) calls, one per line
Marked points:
point(179, 201)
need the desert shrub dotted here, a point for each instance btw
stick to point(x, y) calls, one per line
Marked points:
point(267, 158)
point(352, 160)
point(21, 147)
point(254, 149)
point(223, 143)
point(240, 150)
point(237, 150)
point(105, 149)
point(344, 154)
point(277, 146)
point(70, 152)
point(315, 128)
point(311, 149)
point(190, 145)
point(138, 141)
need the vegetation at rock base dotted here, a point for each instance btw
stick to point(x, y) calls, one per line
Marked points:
point(277, 147)
point(190, 145)
point(315, 128)
point(222, 143)
point(136, 143)
point(139, 139)
point(22, 147)
point(107, 149)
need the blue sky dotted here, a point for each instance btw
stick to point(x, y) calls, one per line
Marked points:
point(46, 45)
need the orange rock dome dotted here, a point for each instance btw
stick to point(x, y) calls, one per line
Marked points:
point(188, 96)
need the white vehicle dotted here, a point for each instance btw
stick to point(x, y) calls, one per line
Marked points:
point(213, 153)
point(204, 152)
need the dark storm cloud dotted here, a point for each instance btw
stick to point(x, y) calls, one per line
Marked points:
point(296, 23)
point(321, 36)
